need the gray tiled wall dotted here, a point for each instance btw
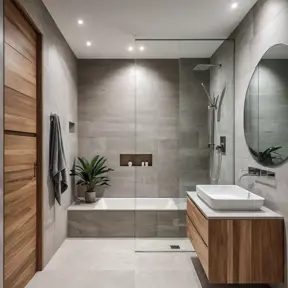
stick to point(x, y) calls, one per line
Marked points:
point(193, 126)
point(138, 224)
point(145, 106)
point(219, 80)
point(59, 96)
point(264, 26)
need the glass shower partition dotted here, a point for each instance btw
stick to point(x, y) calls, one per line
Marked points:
point(172, 134)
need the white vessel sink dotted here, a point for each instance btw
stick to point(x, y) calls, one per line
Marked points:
point(229, 197)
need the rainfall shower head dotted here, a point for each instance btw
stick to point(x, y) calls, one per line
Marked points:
point(205, 67)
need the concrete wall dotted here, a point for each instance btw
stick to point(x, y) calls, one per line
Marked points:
point(264, 26)
point(222, 81)
point(59, 96)
point(147, 106)
point(193, 126)
point(1, 147)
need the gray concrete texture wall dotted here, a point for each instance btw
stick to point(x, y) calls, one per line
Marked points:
point(145, 106)
point(264, 26)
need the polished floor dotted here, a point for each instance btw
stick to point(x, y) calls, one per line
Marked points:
point(109, 263)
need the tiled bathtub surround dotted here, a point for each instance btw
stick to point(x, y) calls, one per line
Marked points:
point(145, 106)
point(128, 218)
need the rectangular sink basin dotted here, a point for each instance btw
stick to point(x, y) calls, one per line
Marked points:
point(229, 197)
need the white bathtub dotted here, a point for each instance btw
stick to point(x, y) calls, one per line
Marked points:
point(147, 204)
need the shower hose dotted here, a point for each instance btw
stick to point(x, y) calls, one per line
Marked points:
point(219, 163)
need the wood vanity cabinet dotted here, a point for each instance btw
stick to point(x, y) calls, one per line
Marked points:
point(237, 251)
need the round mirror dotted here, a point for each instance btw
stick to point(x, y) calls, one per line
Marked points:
point(266, 108)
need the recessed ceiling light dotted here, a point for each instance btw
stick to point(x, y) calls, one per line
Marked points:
point(80, 21)
point(130, 48)
point(234, 5)
point(141, 48)
point(88, 43)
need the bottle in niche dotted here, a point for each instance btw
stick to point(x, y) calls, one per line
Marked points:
point(130, 164)
point(146, 164)
point(143, 164)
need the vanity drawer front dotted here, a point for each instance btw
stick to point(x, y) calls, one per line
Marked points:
point(198, 220)
point(199, 245)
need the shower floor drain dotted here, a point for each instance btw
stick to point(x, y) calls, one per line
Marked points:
point(175, 247)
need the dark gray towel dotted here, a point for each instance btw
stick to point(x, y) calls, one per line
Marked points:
point(57, 162)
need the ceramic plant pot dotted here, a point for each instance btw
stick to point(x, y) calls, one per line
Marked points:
point(90, 197)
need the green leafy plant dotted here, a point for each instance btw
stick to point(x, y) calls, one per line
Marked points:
point(268, 156)
point(91, 174)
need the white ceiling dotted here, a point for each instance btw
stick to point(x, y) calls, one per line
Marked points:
point(113, 25)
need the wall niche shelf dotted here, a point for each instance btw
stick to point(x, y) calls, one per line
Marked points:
point(136, 159)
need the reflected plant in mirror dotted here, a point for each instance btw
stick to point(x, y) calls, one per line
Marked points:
point(266, 108)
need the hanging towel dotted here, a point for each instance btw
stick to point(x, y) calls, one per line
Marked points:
point(57, 161)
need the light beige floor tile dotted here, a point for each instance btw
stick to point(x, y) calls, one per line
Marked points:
point(83, 279)
point(162, 244)
point(164, 261)
point(93, 261)
point(166, 279)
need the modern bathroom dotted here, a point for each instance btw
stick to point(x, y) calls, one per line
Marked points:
point(143, 143)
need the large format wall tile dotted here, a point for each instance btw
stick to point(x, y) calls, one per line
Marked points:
point(223, 80)
point(132, 223)
point(101, 224)
point(151, 106)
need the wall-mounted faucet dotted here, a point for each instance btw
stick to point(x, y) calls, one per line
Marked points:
point(257, 172)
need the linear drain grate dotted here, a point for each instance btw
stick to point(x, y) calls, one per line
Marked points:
point(175, 247)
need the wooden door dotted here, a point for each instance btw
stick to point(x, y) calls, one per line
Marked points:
point(20, 149)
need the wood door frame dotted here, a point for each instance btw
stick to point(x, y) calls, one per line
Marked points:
point(39, 132)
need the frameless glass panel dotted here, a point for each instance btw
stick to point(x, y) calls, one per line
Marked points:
point(172, 133)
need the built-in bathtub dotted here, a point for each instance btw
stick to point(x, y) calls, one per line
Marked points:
point(128, 217)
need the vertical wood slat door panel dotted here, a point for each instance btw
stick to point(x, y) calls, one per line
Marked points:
point(20, 149)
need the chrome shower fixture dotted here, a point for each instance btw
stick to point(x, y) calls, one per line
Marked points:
point(205, 67)
point(213, 101)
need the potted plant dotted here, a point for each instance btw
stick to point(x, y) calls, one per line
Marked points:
point(91, 174)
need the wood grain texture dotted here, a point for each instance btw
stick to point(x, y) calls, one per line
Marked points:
point(20, 112)
point(20, 73)
point(246, 251)
point(199, 245)
point(20, 150)
point(240, 251)
point(198, 220)
point(18, 32)
point(268, 236)
point(20, 206)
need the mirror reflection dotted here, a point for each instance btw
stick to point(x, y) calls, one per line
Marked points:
point(266, 108)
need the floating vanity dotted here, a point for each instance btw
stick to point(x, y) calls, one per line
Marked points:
point(237, 247)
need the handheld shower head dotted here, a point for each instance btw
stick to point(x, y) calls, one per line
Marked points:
point(208, 95)
point(212, 100)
